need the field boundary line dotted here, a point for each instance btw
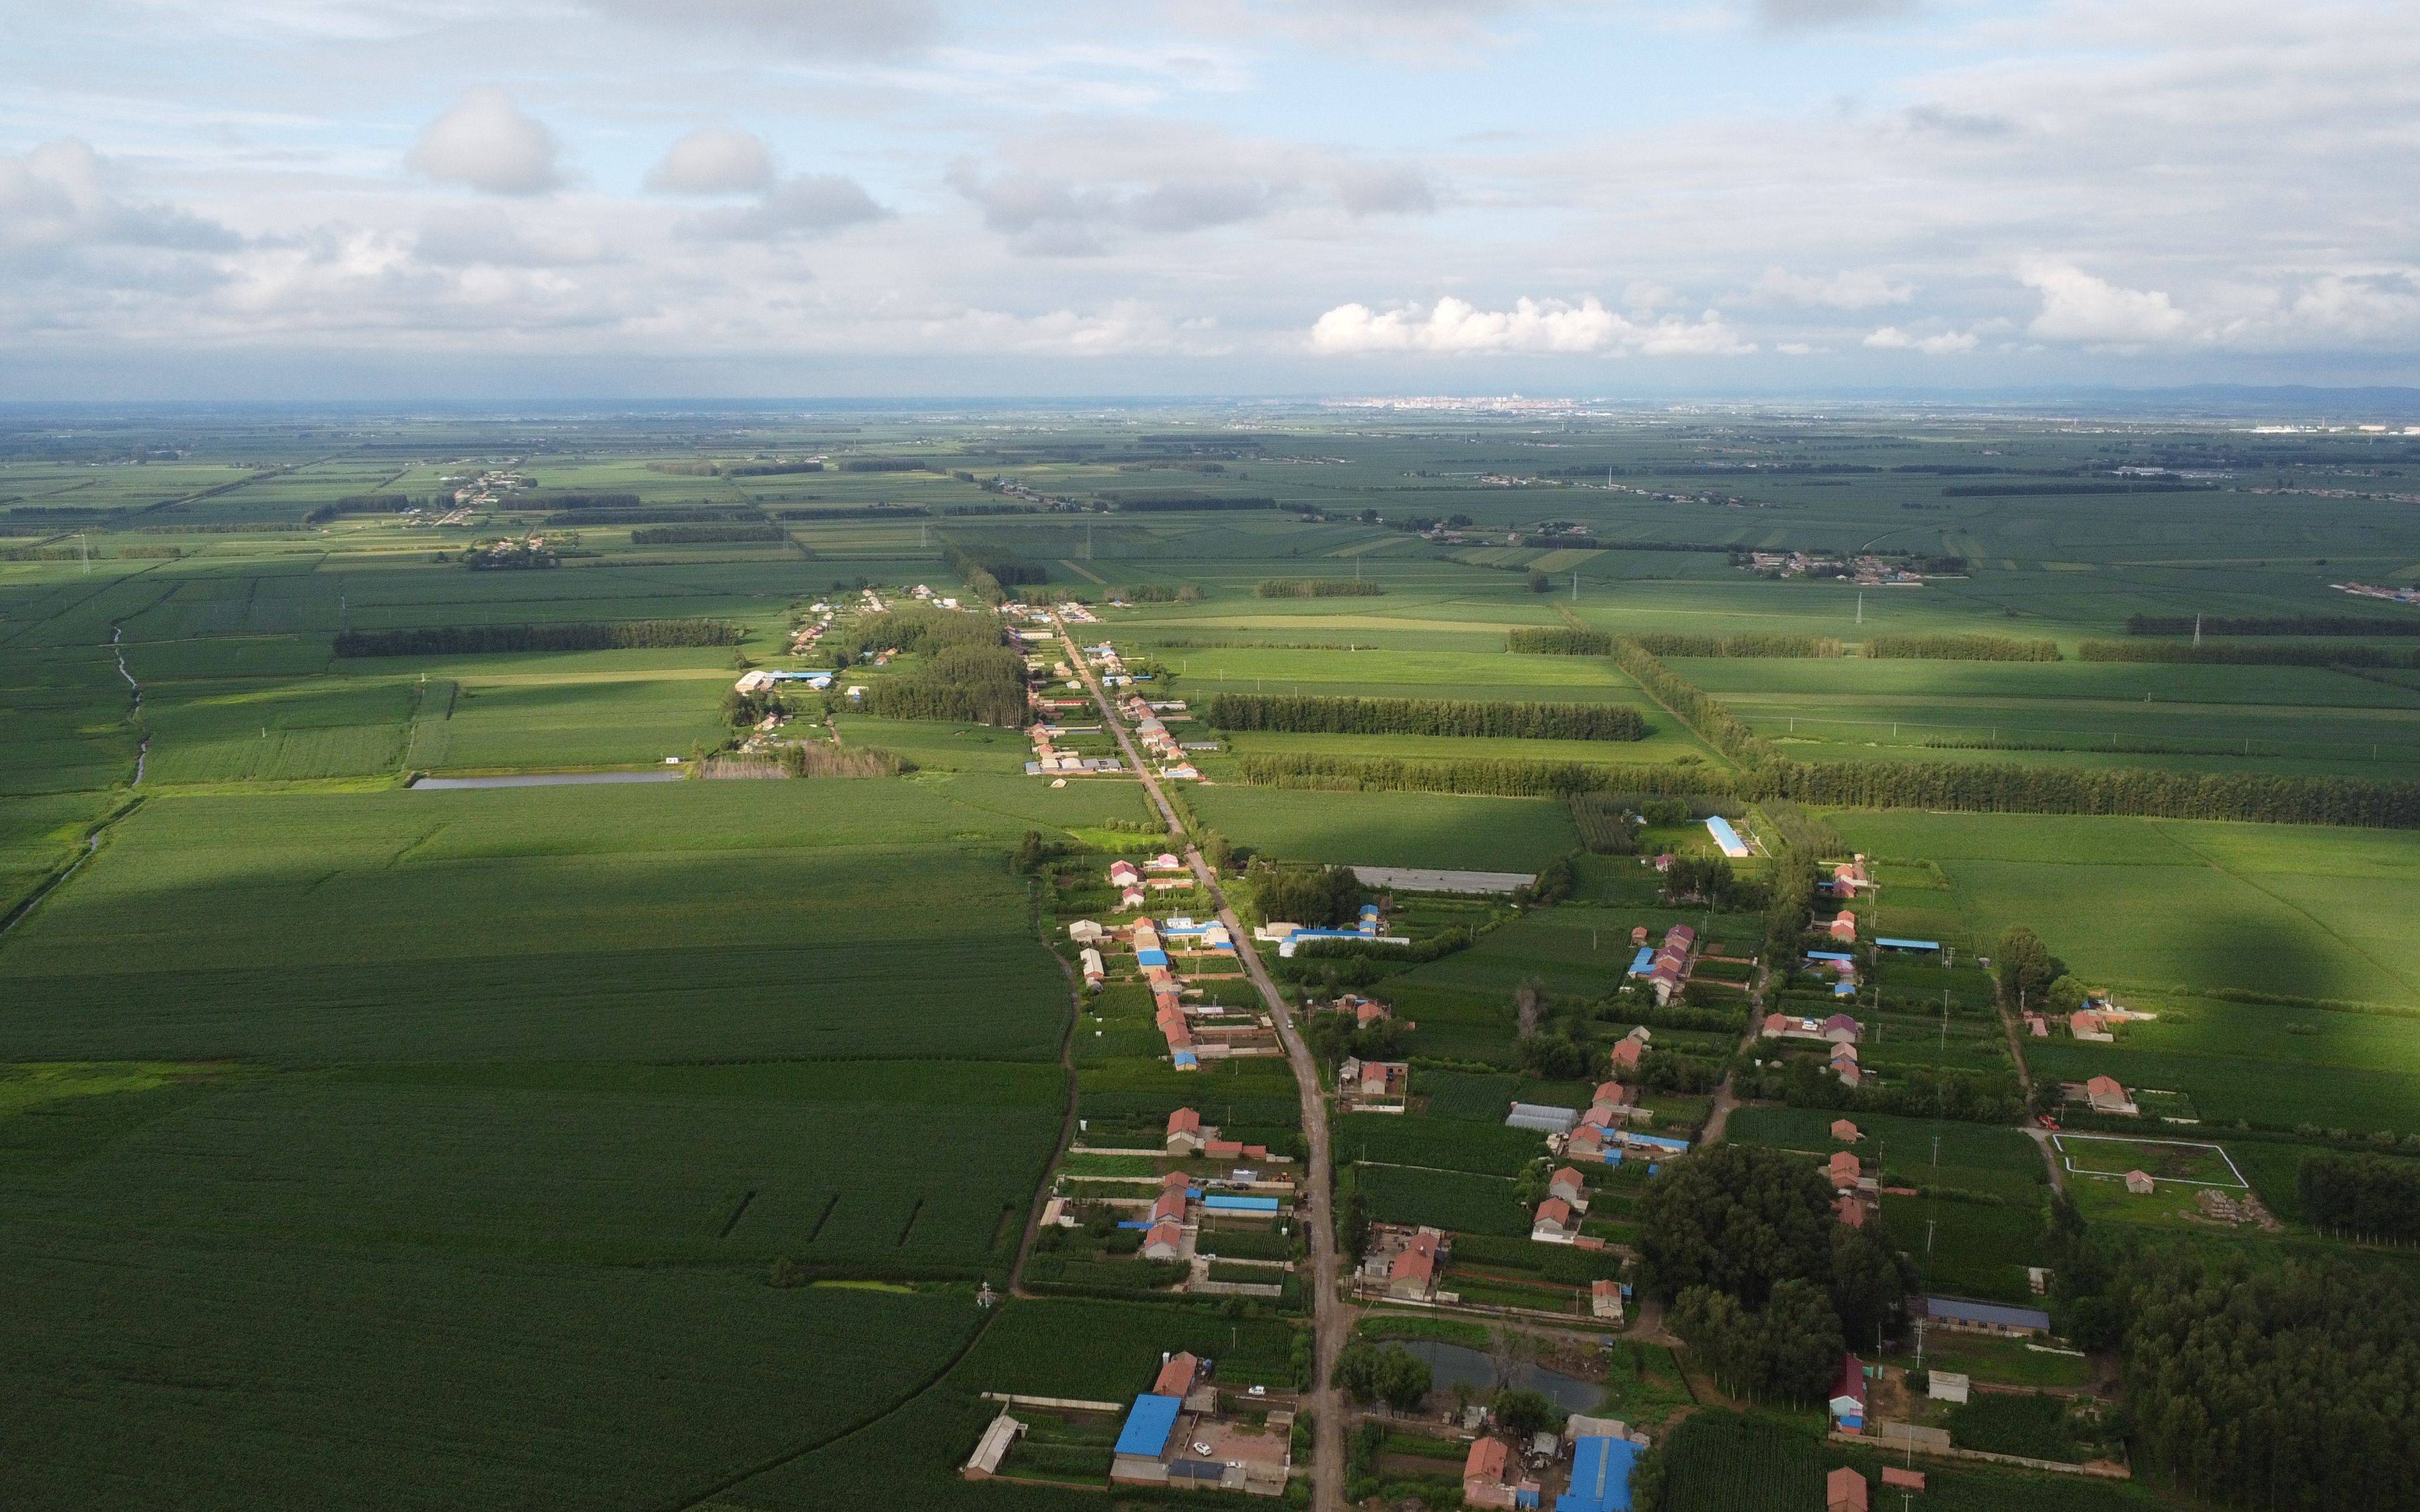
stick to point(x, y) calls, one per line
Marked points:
point(2295, 908)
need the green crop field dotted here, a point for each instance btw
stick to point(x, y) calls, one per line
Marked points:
point(488, 1132)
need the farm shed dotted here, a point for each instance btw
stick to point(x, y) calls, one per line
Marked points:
point(1844, 1491)
point(1600, 1476)
point(1144, 1439)
point(1222, 1202)
point(1540, 1118)
point(1986, 1317)
point(1727, 839)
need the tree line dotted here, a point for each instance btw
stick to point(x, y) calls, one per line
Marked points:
point(707, 534)
point(2270, 624)
point(1705, 714)
point(2258, 654)
point(1316, 588)
point(1323, 714)
point(569, 635)
point(1151, 503)
point(1961, 648)
point(1501, 776)
point(1559, 641)
point(1677, 643)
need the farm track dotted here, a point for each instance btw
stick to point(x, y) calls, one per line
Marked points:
point(1330, 1320)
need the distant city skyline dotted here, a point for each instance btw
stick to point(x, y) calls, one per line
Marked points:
point(621, 199)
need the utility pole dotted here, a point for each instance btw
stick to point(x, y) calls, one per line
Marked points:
point(84, 552)
point(2196, 629)
point(1576, 585)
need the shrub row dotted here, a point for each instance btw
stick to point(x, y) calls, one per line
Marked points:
point(569, 634)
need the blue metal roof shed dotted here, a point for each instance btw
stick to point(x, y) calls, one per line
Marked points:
point(1148, 1425)
point(1600, 1476)
point(1889, 943)
point(1644, 961)
point(1151, 958)
point(1222, 1203)
point(1990, 1314)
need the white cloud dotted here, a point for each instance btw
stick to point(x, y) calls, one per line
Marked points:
point(1850, 290)
point(713, 161)
point(1454, 327)
point(1807, 15)
point(485, 142)
point(2078, 307)
point(838, 28)
point(1941, 344)
point(812, 204)
point(59, 197)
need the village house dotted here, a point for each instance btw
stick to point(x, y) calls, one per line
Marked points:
point(2139, 1183)
point(1175, 1436)
point(1095, 969)
point(1412, 1272)
point(1487, 1477)
point(2106, 1095)
point(1369, 1079)
point(1849, 878)
point(1844, 1491)
point(1186, 1134)
point(1844, 1065)
point(1618, 1103)
point(1842, 1029)
point(1554, 1223)
point(2086, 1024)
point(1605, 1301)
point(1845, 1132)
point(1124, 874)
point(1586, 1143)
point(1848, 1403)
point(1630, 1049)
point(1843, 1169)
point(1086, 931)
point(1566, 1184)
point(1849, 1208)
point(1844, 928)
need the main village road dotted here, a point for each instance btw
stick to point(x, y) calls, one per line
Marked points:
point(1330, 1320)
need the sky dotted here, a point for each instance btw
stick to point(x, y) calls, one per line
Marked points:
point(500, 199)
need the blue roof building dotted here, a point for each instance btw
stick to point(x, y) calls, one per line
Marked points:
point(1600, 1476)
point(1149, 1422)
point(1151, 958)
point(1727, 839)
point(1644, 961)
point(1986, 1315)
point(1221, 1202)
point(1908, 945)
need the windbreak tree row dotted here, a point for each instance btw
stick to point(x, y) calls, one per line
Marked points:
point(1321, 715)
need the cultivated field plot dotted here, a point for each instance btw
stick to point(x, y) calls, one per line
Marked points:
point(820, 1163)
point(315, 1374)
point(2166, 1160)
point(2299, 911)
point(1390, 828)
point(684, 920)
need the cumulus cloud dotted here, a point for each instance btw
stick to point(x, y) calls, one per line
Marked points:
point(487, 142)
point(2077, 306)
point(1849, 289)
point(1939, 343)
point(1454, 327)
point(836, 28)
point(814, 203)
point(713, 161)
point(59, 197)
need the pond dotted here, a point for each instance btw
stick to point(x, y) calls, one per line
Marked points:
point(1476, 1368)
point(543, 779)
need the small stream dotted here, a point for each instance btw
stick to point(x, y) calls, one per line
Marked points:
point(1452, 1362)
point(143, 749)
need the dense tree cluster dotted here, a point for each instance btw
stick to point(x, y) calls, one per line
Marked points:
point(2369, 1196)
point(989, 573)
point(2289, 1384)
point(978, 683)
point(576, 503)
point(567, 635)
point(2025, 967)
point(911, 629)
point(1765, 1283)
point(1559, 641)
point(1149, 504)
point(1961, 648)
point(1322, 896)
point(1423, 717)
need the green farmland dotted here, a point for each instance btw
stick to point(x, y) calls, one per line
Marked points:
point(647, 1144)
